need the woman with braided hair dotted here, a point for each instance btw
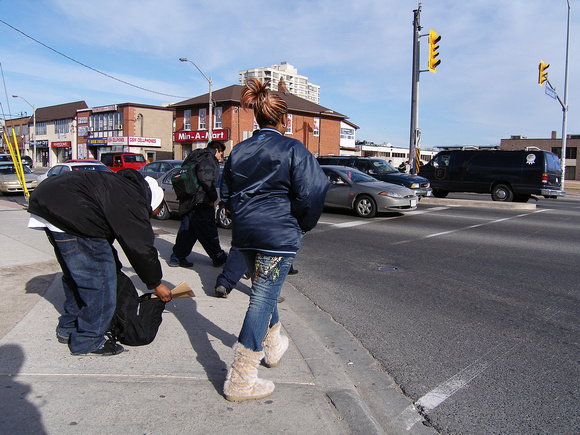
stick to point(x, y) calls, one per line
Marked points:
point(275, 190)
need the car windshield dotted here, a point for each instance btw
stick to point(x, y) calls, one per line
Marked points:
point(355, 175)
point(382, 167)
point(10, 169)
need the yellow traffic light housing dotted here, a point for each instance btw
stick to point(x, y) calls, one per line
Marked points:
point(543, 74)
point(434, 39)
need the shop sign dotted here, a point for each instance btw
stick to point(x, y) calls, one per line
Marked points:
point(82, 120)
point(134, 141)
point(61, 144)
point(104, 109)
point(97, 142)
point(200, 135)
point(144, 141)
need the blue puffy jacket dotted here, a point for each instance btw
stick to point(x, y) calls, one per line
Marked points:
point(275, 190)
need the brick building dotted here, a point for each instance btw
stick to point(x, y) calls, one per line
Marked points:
point(315, 126)
point(127, 127)
point(554, 145)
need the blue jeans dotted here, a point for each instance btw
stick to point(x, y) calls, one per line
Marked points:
point(198, 224)
point(89, 281)
point(269, 273)
point(233, 270)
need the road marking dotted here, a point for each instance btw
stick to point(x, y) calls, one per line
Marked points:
point(375, 220)
point(444, 391)
point(444, 233)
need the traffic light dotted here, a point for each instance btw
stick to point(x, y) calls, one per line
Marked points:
point(433, 53)
point(543, 74)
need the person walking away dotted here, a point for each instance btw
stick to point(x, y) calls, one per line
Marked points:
point(275, 190)
point(83, 213)
point(198, 213)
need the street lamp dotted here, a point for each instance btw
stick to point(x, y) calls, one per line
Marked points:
point(210, 121)
point(33, 135)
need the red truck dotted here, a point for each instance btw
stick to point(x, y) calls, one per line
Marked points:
point(117, 161)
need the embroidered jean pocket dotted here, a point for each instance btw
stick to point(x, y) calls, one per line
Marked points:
point(67, 246)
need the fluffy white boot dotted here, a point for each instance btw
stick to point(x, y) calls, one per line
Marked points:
point(242, 382)
point(274, 344)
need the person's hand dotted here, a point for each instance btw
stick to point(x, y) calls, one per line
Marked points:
point(163, 292)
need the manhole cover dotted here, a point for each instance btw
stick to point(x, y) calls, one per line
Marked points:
point(389, 269)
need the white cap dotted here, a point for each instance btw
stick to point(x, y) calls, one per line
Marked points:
point(156, 192)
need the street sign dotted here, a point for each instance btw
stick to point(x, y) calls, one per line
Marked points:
point(551, 92)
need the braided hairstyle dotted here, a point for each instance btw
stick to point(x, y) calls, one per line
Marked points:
point(268, 107)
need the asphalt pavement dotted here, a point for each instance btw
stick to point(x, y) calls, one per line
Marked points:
point(327, 382)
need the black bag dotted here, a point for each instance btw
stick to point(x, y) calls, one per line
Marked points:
point(137, 318)
point(185, 182)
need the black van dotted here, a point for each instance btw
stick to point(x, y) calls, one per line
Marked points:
point(381, 170)
point(507, 175)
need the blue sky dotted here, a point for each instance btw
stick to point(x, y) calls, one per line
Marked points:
point(359, 53)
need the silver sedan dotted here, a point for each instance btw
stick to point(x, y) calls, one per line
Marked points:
point(9, 180)
point(355, 190)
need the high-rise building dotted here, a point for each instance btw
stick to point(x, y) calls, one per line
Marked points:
point(295, 84)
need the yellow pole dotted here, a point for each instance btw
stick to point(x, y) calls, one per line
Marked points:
point(17, 162)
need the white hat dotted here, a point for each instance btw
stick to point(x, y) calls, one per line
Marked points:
point(156, 193)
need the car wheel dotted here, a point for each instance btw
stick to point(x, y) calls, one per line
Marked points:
point(223, 219)
point(438, 193)
point(164, 213)
point(502, 192)
point(365, 207)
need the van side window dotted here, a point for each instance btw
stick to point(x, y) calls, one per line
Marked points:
point(442, 160)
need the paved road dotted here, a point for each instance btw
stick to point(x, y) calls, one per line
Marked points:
point(474, 311)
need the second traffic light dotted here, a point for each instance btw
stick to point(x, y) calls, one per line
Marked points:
point(543, 74)
point(434, 39)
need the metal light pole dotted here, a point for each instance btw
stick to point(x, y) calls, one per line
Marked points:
point(565, 105)
point(33, 135)
point(210, 120)
point(415, 135)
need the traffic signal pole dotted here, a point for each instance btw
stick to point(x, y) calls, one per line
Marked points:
point(415, 139)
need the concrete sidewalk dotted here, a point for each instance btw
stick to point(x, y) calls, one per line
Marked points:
point(327, 382)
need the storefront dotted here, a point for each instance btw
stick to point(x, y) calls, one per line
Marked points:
point(147, 146)
point(61, 150)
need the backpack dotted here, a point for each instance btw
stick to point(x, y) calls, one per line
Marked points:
point(137, 318)
point(185, 182)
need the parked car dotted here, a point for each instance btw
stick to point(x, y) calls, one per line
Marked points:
point(160, 167)
point(9, 179)
point(26, 160)
point(355, 190)
point(506, 175)
point(117, 161)
point(171, 204)
point(78, 165)
point(381, 170)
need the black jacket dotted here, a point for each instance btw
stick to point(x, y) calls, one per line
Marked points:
point(103, 205)
point(207, 171)
point(275, 189)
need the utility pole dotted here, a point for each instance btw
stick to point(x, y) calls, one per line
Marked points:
point(414, 142)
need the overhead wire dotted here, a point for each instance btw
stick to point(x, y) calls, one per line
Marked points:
point(87, 66)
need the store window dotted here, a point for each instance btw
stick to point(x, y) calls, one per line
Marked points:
point(187, 120)
point(40, 128)
point(202, 119)
point(218, 117)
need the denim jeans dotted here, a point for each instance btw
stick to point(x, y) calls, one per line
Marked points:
point(233, 270)
point(198, 224)
point(89, 281)
point(269, 273)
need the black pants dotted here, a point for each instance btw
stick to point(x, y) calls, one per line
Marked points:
point(198, 224)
